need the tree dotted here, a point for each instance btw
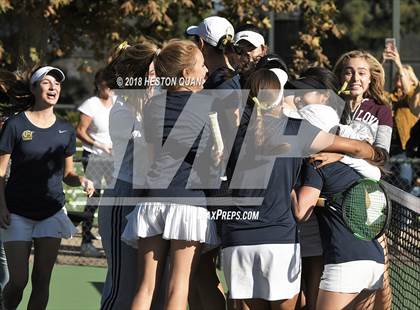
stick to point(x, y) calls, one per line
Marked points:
point(317, 24)
point(37, 30)
point(367, 23)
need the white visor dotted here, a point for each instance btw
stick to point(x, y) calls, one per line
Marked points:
point(39, 74)
point(252, 37)
point(282, 77)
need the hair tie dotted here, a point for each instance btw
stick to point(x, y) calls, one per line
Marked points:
point(343, 90)
point(227, 39)
point(258, 105)
point(123, 46)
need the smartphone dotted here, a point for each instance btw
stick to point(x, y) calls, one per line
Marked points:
point(390, 44)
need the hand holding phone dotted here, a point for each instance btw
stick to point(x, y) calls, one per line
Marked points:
point(390, 44)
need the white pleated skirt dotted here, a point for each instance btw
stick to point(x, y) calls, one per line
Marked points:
point(172, 221)
point(266, 271)
point(310, 237)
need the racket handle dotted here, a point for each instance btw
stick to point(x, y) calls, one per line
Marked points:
point(215, 129)
point(321, 202)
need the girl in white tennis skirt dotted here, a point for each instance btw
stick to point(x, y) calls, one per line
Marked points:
point(41, 147)
point(173, 225)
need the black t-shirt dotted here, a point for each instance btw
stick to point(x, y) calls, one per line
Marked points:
point(177, 124)
point(339, 244)
point(34, 188)
point(275, 223)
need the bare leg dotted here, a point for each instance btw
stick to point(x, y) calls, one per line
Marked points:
point(184, 258)
point(45, 255)
point(17, 254)
point(261, 304)
point(206, 282)
point(152, 253)
point(285, 304)
point(255, 304)
point(311, 276)
point(383, 299)
point(358, 301)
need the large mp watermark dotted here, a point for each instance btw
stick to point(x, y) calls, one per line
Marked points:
point(163, 145)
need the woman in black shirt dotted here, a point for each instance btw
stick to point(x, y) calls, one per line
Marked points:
point(41, 147)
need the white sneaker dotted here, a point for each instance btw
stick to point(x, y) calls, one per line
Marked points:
point(87, 249)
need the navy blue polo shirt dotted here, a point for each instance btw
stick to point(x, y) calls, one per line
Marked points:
point(34, 188)
point(276, 223)
point(222, 78)
point(191, 137)
point(339, 244)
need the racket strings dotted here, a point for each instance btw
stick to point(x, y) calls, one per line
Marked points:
point(365, 210)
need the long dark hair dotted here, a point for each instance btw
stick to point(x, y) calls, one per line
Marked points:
point(16, 90)
point(130, 62)
point(330, 83)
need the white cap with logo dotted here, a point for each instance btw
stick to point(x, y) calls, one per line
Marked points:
point(212, 29)
point(39, 74)
point(252, 37)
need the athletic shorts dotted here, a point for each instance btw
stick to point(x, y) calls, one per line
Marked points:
point(352, 277)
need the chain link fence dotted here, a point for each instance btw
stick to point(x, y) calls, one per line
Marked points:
point(72, 251)
point(404, 173)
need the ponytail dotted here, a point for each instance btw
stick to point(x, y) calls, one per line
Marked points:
point(15, 87)
point(131, 62)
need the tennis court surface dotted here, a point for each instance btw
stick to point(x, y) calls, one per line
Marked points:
point(79, 287)
point(73, 288)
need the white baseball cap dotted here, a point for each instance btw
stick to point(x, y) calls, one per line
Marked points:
point(252, 37)
point(39, 74)
point(212, 29)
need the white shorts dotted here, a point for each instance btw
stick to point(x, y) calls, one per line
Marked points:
point(266, 271)
point(310, 238)
point(172, 221)
point(352, 277)
point(24, 229)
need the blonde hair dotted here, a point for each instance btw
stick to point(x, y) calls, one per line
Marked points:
point(411, 74)
point(377, 74)
point(174, 57)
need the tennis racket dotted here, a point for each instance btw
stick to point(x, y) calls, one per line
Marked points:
point(366, 209)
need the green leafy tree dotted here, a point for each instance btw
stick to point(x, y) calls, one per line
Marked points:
point(317, 24)
point(36, 30)
point(368, 23)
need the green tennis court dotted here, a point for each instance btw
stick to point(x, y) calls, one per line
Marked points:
point(73, 288)
point(79, 287)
